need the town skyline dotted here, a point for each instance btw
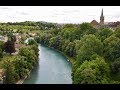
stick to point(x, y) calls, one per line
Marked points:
point(58, 14)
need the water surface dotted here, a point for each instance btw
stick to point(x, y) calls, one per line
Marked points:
point(53, 68)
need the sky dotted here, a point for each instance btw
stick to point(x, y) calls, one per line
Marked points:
point(58, 14)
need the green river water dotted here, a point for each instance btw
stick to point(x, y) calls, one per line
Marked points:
point(53, 68)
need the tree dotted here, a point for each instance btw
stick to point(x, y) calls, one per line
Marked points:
point(104, 33)
point(70, 49)
point(9, 47)
point(11, 75)
point(30, 55)
point(65, 43)
point(68, 26)
point(1, 48)
point(2, 45)
point(89, 45)
point(1, 53)
point(112, 48)
point(92, 72)
point(32, 42)
point(85, 29)
point(69, 33)
point(115, 66)
point(35, 48)
point(56, 42)
point(21, 66)
point(13, 38)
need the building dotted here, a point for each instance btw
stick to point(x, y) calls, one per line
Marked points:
point(102, 18)
point(94, 23)
point(110, 25)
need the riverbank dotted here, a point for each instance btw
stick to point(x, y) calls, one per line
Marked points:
point(21, 81)
point(70, 59)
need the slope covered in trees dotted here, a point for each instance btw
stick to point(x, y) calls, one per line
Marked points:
point(95, 51)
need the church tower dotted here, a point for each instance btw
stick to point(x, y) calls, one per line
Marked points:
point(102, 18)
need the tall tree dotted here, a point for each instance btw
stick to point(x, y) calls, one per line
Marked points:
point(93, 72)
point(9, 47)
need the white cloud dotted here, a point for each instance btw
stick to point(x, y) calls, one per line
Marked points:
point(59, 14)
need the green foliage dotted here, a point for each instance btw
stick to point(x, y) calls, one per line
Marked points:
point(89, 45)
point(92, 72)
point(104, 33)
point(44, 38)
point(30, 55)
point(23, 38)
point(2, 45)
point(11, 37)
point(117, 33)
point(65, 43)
point(112, 48)
point(21, 66)
point(115, 66)
point(37, 39)
point(35, 48)
point(70, 49)
point(1, 53)
point(56, 42)
point(86, 28)
point(77, 46)
point(1, 49)
point(32, 42)
point(69, 33)
point(68, 26)
point(11, 75)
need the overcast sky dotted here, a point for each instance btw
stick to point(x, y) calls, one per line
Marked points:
point(58, 14)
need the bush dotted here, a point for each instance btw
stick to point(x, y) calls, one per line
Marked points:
point(32, 42)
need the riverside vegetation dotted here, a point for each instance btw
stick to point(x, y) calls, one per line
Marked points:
point(94, 53)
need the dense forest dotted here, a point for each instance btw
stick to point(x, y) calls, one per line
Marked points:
point(94, 52)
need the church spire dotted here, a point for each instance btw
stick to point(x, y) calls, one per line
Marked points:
point(102, 13)
point(102, 18)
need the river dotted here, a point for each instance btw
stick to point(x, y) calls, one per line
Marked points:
point(52, 68)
